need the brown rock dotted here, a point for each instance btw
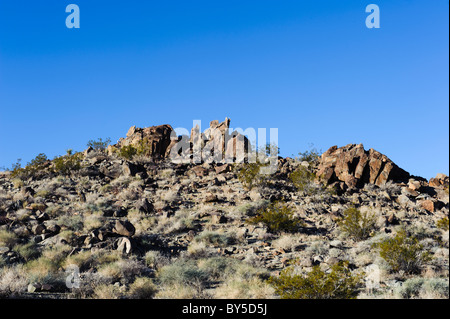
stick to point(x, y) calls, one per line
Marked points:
point(38, 229)
point(441, 180)
point(427, 205)
point(222, 168)
point(156, 140)
point(200, 171)
point(124, 228)
point(355, 167)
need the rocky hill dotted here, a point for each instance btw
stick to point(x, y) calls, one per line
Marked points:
point(126, 221)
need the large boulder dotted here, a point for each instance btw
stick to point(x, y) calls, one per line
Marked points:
point(355, 166)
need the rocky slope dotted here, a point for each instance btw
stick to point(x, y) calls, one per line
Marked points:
point(144, 226)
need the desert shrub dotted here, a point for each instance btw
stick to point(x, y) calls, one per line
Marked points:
point(423, 288)
point(42, 267)
point(72, 222)
point(403, 253)
point(27, 251)
point(67, 164)
point(215, 239)
point(142, 288)
point(277, 217)
point(249, 174)
point(443, 223)
point(182, 272)
point(35, 166)
point(107, 291)
point(8, 239)
point(221, 268)
point(312, 156)
point(155, 259)
point(13, 281)
point(356, 224)
point(241, 288)
point(303, 179)
point(99, 144)
point(340, 283)
point(127, 152)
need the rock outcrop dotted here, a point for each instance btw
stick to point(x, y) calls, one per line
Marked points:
point(355, 167)
point(215, 144)
point(155, 139)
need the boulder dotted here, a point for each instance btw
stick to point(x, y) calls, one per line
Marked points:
point(355, 166)
point(441, 180)
point(145, 206)
point(124, 228)
point(124, 245)
point(131, 169)
point(427, 205)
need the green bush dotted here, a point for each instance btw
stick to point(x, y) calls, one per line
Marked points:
point(28, 251)
point(184, 272)
point(8, 239)
point(277, 217)
point(303, 179)
point(142, 288)
point(356, 224)
point(403, 253)
point(99, 144)
point(249, 174)
point(312, 156)
point(340, 283)
point(443, 224)
point(215, 239)
point(427, 287)
point(127, 152)
point(67, 164)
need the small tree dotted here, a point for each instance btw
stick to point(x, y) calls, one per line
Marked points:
point(99, 144)
point(340, 283)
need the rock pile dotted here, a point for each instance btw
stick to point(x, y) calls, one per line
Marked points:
point(354, 166)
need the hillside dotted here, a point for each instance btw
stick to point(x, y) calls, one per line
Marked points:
point(125, 221)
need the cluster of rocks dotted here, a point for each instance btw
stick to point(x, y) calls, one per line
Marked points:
point(355, 167)
point(215, 144)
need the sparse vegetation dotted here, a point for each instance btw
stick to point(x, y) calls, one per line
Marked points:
point(356, 224)
point(67, 164)
point(443, 223)
point(340, 283)
point(277, 217)
point(99, 144)
point(127, 152)
point(303, 179)
point(197, 233)
point(404, 253)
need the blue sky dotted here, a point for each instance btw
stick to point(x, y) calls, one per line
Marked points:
point(309, 68)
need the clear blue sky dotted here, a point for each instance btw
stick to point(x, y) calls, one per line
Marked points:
point(310, 68)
